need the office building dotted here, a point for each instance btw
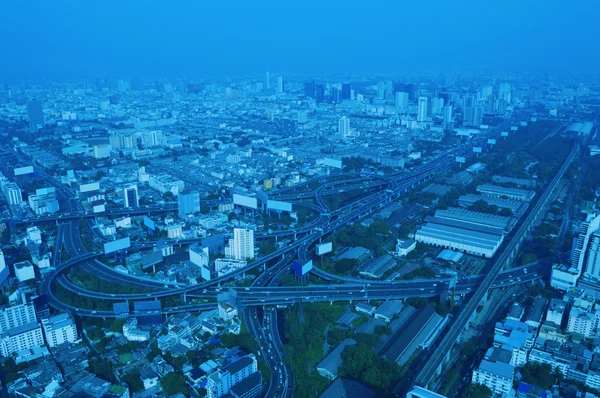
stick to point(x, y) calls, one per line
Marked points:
point(267, 85)
point(344, 127)
point(401, 99)
point(188, 203)
point(241, 247)
point(174, 231)
point(422, 110)
point(59, 329)
point(220, 382)
point(164, 183)
point(130, 196)
point(280, 86)
point(497, 376)
point(35, 114)
point(21, 337)
point(24, 271)
point(16, 315)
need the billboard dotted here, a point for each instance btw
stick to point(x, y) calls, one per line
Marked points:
point(504, 134)
point(19, 171)
point(278, 205)
point(477, 149)
point(45, 191)
point(245, 201)
point(99, 209)
point(460, 159)
point(302, 269)
point(94, 186)
point(492, 141)
point(262, 195)
point(149, 223)
point(332, 163)
point(117, 245)
point(514, 128)
point(324, 248)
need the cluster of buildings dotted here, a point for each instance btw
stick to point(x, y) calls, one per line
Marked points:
point(560, 332)
point(24, 337)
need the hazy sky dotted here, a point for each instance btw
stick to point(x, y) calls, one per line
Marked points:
point(171, 38)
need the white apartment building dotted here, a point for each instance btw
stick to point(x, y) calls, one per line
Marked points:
point(16, 315)
point(59, 329)
point(556, 311)
point(199, 255)
point(20, 338)
point(241, 247)
point(497, 376)
point(227, 312)
point(174, 231)
point(583, 322)
point(224, 266)
point(220, 381)
point(34, 235)
point(24, 271)
point(132, 333)
point(102, 151)
point(13, 194)
point(164, 183)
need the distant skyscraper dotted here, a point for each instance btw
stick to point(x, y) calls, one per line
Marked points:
point(267, 84)
point(448, 117)
point(486, 91)
point(309, 89)
point(478, 115)
point(302, 117)
point(401, 99)
point(320, 92)
point(380, 90)
point(422, 110)
point(130, 196)
point(344, 127)
point(336, 95)
point(280, 87)
point(36, 115)
point(188, 203)
point(504, 92)
point(437, 104)
point(346, 91)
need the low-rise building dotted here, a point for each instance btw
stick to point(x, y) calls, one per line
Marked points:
point(497, 376)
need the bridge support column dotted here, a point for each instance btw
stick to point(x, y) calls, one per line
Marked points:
point(185, 297)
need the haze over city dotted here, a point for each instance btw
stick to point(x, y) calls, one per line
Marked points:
point(314, 199)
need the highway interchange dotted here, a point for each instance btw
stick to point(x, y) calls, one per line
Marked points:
point(265, 292)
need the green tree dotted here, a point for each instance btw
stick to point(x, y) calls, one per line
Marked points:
point(477, 391)
point(133, 381)
point(174, 383)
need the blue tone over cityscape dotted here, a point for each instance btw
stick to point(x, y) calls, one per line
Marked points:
point(321, 199)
